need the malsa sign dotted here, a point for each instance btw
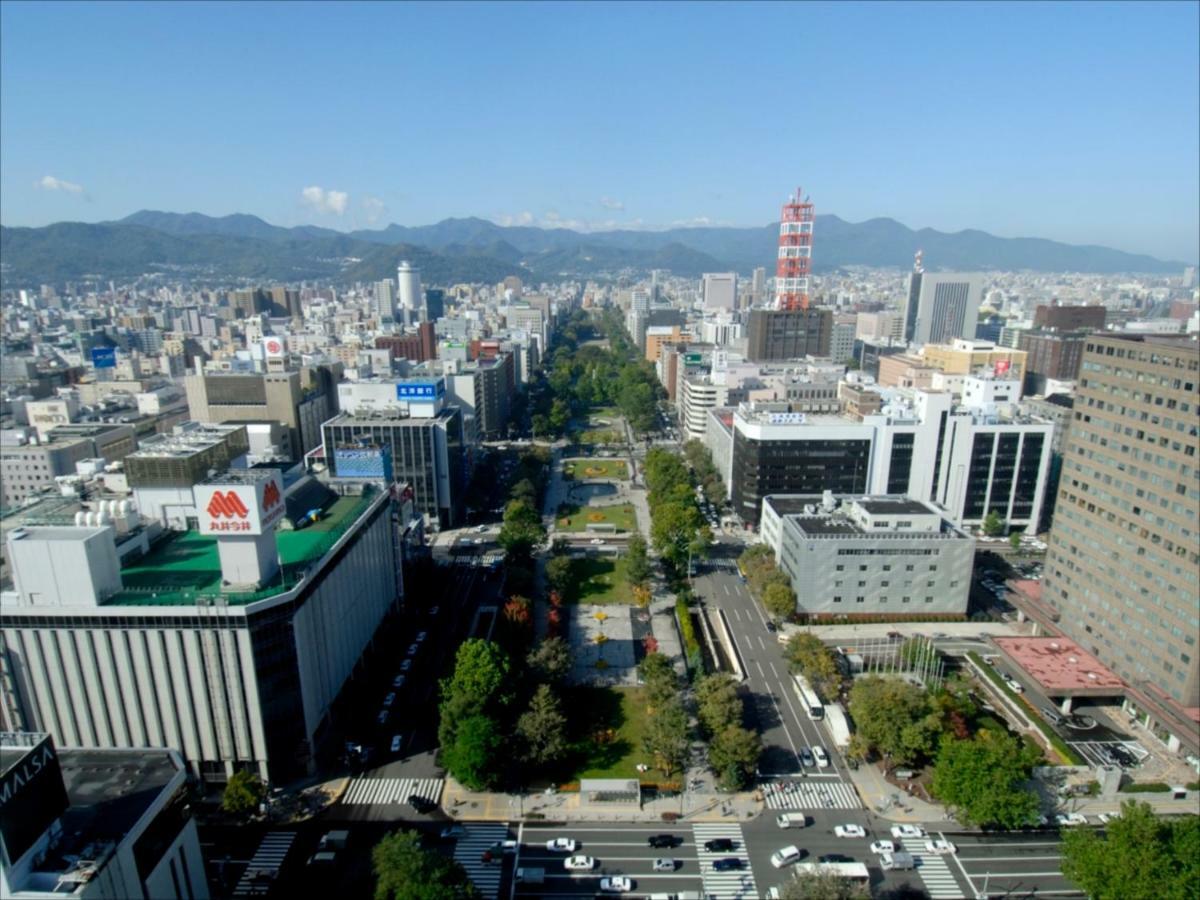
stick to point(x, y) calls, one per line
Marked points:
point(240, 508)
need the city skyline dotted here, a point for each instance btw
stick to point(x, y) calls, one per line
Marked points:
point(455, 122)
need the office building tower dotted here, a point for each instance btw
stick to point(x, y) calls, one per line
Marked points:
point(421, 432)
point(299, 400)
point(758, 286)
point(435, 304)
point(841, 339)
point(385, 300)
point(1050, 356)
point(719, 290)
point(1122, 567)
point(411, 298)
point(1069, 318)
point(941, 306)
point(782, 334)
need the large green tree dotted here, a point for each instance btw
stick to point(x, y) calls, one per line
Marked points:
point(403, 871)
point(821, 885)
point(543, 728)
point(522, 530)
point(779, 599)
point(474, 757)
point(480, 683)
point(809, 656)
point(550, 660)
point(243, 792)
point(1138, 857)
point(637, 565)
point(992, 524)
point(666, 736)
point(673, 530)
point(733, 753)
point(986, 779)
point(560, 574)
point(895, 718)
point(717, 702)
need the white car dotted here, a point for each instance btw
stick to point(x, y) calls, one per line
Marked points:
point(618, 884)
point(1105, 818)
point(1070, 819)
point(883, 847)
point(821, 756)
point(850, 831)
point(907, 831)
point(785, 856)
point(1014, 686)
point(561, 845)
point(940, 847)
point(596, 542)
point(396, 744)
point(664, 864)
point(579, 864)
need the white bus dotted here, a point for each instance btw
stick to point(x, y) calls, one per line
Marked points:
point(854, 871)
point(808, 698)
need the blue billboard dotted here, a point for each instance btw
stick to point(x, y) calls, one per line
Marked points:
point(373, 463)
point(420, 390)
point(104, 357)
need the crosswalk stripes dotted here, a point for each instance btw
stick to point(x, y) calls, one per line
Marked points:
point(935, 872)
point(469, 850)
point(810, 795)
point(260, 874)
point(723, 885)
point(363, 790)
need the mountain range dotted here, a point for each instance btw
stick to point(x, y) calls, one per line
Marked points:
point(474, 249)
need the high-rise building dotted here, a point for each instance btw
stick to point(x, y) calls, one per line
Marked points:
point(1069, 318)
point(1122, 567)
point(412, 300)
point(940, 307)
point(719, 290)
point(385, 300)
point(780, 334)
point(841, 339)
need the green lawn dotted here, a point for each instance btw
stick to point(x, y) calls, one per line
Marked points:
point(577, 518)
point(596, 468)
point(607, 725)
point(602, 581)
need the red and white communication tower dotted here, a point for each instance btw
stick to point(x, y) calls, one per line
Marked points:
point(794, 265)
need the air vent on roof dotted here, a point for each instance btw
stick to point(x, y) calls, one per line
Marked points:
point(1054, 645)
point(1092, 675)
point(1072, 659)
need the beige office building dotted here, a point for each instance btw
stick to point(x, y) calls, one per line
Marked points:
point(1122, 568)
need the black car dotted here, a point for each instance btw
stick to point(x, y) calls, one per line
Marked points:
point(771, 627)
point(421, 804)
point(729, 864)
point(662, 840)
point(835, 858)
point(718, 845)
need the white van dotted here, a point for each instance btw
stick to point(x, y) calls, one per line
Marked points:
point(821, 756)
point(791, 820)
point(785, 856)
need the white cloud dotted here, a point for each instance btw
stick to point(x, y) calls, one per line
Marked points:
point(374, 209)
point(50, 183)
point(324, 201)
point(523, 218)
point(695, 222)
point(610, 203)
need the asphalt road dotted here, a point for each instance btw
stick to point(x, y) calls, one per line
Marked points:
point(1024, 863)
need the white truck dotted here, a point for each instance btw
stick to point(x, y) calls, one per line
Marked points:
point(839, 725)
point(899, 861)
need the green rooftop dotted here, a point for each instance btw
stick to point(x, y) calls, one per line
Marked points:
point(183, 568)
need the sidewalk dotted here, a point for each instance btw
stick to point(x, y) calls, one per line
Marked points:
point(894, 804)
point(460, 803)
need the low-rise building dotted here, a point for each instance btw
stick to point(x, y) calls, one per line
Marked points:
point(858, 556)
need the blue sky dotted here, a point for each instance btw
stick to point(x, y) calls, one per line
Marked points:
point(1078, 122)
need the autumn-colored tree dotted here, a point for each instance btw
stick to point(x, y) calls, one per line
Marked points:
point(519, 611)
point(650, 643)
point(641, 595)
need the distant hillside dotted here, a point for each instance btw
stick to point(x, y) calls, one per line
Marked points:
point(474, 249)
point(70, 250)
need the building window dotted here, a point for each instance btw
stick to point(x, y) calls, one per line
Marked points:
point(906, 600)
point(837, 599)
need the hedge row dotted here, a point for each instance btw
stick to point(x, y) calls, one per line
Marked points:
point(1147, 787)
point(1063, 749)
point(691, 645)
